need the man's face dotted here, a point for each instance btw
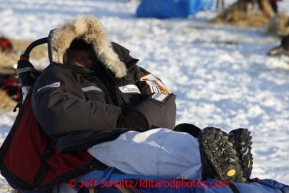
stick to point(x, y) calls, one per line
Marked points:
point(83, 58)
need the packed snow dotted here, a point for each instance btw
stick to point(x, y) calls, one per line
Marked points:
point(220, 73)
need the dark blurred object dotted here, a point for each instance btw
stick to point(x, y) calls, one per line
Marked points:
point(5, 44)
point(283, 48)
point(9, 83)
point(220, 4)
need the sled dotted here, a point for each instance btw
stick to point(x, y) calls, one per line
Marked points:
point(78, 169)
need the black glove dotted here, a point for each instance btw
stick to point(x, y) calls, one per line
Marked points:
point(134, 120)
point(158, 111)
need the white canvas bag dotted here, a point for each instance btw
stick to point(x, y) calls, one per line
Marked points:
point(158, 152)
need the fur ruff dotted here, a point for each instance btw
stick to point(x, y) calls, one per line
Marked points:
point(90, 29)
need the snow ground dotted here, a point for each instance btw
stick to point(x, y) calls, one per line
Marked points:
point(220, 73)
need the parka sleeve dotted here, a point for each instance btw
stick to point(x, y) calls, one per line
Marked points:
point(60, 106)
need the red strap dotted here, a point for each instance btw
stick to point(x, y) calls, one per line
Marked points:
point(23, 58)
point(255, 180)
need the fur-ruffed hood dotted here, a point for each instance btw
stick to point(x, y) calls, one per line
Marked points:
point(90, 29)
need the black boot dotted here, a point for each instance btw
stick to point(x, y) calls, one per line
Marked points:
point(241, 140)
point(219, 158)
point(188, 128)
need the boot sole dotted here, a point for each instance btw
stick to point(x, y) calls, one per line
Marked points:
point(243, 142)
point(219, 159)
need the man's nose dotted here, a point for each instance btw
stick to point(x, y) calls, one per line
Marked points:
point(89, 62)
